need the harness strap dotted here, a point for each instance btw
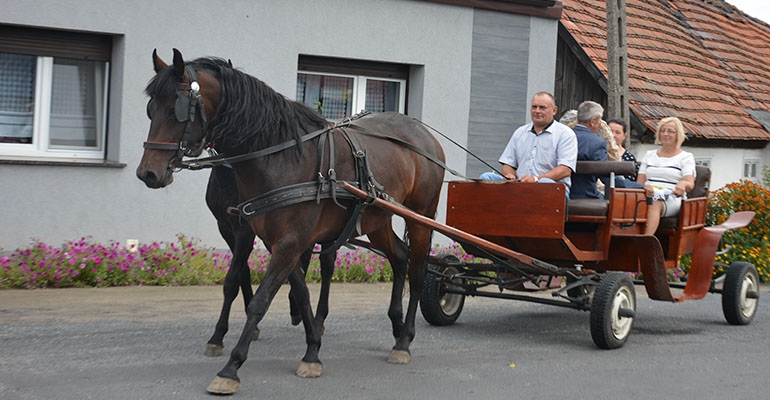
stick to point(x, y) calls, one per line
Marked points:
point(409, 146)
point(320, 156)
point(209, 162)
point(288, 195)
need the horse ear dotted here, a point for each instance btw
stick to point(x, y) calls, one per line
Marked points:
point(230, 63)
point(157, 63)
point(178, 63)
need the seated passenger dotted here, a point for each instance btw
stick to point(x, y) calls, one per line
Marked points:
point(667, 173)
point(543, 150)
point(590, 148)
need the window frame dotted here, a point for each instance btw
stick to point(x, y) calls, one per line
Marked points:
point(360, 71)
point(358, 95)
point(703, 162)
point(48, 45)
point(747, 165)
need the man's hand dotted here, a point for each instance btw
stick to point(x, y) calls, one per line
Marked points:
point(509, 173)
point(527, 178)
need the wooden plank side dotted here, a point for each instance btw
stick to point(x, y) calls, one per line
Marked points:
point(511, 209)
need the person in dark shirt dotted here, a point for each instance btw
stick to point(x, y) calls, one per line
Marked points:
point(618, 128)
point(590, 148)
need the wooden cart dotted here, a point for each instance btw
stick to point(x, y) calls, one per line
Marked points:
point(528, 238)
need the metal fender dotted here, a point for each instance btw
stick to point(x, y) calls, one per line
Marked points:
point(704, 253)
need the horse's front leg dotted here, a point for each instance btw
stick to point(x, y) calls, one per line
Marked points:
point(311, 366)
point(327, 271)
point(294, 308)
point(396, 251)
point(419, 246)
point(241, 243)
point(327, 260)
point(281, 265)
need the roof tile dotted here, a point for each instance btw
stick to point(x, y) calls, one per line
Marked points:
point(703, 61)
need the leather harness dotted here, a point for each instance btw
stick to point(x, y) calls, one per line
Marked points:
point(326, 187)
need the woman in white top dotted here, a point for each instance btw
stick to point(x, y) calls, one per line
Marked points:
point(667, 173)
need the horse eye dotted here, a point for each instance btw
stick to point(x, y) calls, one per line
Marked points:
point(148, 109)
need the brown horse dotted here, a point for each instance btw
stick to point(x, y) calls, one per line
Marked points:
point(221, 194)
point(288, 160)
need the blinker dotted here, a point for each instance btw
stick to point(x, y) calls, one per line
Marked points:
point(182, 108)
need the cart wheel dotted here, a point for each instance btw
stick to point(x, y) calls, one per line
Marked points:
point(613, 310)
point(437, 306)
point(740, 293)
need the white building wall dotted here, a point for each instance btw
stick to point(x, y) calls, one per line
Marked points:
point(263, 38)
point(726, 164)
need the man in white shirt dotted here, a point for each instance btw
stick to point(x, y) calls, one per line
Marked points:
point(543, 150)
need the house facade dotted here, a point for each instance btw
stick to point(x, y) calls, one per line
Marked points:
point(705, 62)
point(72, 107)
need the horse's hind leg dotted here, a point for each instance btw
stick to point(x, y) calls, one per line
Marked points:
point(396, 251)
point(241, 243)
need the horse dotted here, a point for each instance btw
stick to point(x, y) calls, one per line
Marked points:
point(289, 161)
point(221, 194)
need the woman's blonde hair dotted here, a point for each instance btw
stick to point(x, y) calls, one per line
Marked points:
point(613, 151)
point(680, 137)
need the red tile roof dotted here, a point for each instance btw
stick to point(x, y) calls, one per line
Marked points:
point(703, 61)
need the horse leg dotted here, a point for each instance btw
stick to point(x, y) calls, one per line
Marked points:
point(244, 245)
point(396, 251)
point(311, 366)
point(294, 308)
point(241, 243)
point(327, 271)
point(281, 265)
point(419, 246)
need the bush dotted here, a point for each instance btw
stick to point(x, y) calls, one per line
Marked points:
point(84, 263)
point(749, 244)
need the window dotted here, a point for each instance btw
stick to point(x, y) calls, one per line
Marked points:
point(341, 88)
point(751, 169)
point(53, 91)
point(703, 162)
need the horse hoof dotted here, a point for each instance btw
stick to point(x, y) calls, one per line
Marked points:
point(309, 370)
point(214, 350)
point(296, 319)
point(223, 386)
point(256, 335)
point(399, 357)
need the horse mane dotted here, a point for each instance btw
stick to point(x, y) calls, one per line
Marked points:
point(250, 113)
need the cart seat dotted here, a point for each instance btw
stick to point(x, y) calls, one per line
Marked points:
point(595, 210)
point(589, 207)
point(701, 189)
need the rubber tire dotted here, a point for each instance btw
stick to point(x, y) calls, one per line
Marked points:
point(608, 329)
point(437, 307)
point(740, 278)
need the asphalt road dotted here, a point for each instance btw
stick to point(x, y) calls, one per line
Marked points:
point(148, 342)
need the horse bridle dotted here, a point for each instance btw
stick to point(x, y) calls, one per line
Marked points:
point(185, 109)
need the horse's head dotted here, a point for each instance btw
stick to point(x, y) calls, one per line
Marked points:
point(180, 101)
